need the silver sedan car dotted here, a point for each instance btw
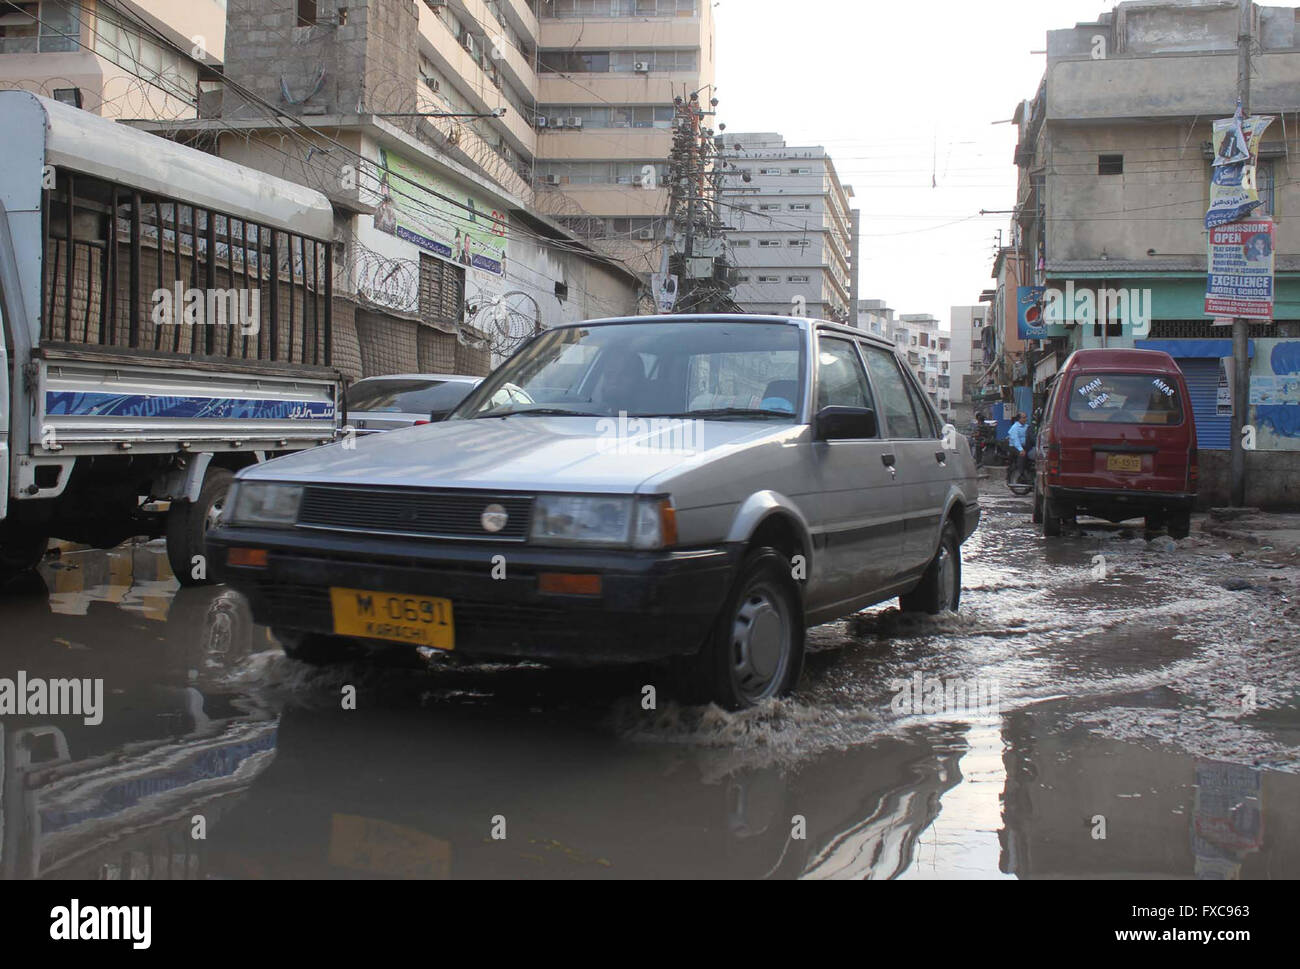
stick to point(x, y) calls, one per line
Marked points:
point(690, 490)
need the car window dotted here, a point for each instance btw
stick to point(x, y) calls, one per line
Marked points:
point(841, 381)
point(887, 379)
point(407, 396)
point(928, 428)
point(1126, 398)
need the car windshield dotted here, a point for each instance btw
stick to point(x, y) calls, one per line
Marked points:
point(408, 396)
point(714, 369)
point(1126, 398)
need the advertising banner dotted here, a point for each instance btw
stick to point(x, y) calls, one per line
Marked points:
point(1240, 279)
point(1234, 191)
point(415, 206)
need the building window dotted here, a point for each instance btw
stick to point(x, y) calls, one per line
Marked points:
point(800, 206)
point(49, 26)
point(1110, 164)
point(769, 279)
point(1264, 176)
point(740, 243)
point(306, 13)
point(798, 279)
point(799, 243)
point(771, 207)
point(769, 171)
point(769, 243)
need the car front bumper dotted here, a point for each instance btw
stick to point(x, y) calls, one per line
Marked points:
point(651, 605)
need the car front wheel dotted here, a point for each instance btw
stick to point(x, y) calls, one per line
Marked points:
point(755, 652)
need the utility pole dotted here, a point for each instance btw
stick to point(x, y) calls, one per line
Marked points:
point(1240, 326)
point(855, 243)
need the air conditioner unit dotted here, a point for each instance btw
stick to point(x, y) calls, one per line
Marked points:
point(557, 122)
point(641, 67)
point(646, 235)
point(432, 84)
point(467, 41)
point(541, 121)
point(575, 122)
point(550, 179)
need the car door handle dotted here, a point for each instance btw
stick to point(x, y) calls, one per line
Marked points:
point(941, 457)
point(889, 460)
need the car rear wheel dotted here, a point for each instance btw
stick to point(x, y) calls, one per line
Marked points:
point(755, 651)
point(940, 588)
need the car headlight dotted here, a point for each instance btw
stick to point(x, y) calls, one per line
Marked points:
point(615, 522)
point(255, 503)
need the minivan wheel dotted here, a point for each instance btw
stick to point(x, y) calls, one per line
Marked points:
point(1179, 524)
point(1051, 519)
point(756, 649)
point(940, 588)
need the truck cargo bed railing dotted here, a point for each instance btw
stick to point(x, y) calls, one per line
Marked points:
point(134, 271)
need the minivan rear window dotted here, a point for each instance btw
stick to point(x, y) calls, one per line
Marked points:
point(1126, 398)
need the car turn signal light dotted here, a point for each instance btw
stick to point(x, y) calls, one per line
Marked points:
point(568, 584)
point(248, 558)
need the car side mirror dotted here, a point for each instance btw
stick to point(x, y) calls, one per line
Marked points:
point(845, 424)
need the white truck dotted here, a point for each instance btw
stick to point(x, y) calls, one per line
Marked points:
point(167, 322)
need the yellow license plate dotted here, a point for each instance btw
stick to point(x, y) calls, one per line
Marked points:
point(1123, 462)
point(414, 620)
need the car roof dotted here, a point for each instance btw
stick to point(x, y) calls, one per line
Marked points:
point(803, 322)
point(1102, 359)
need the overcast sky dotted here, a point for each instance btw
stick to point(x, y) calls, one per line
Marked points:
point(904, 95)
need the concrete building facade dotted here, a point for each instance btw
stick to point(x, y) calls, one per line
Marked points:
point(1115, 163)
point(966, 325)
point(791, 238)
point(608, 74)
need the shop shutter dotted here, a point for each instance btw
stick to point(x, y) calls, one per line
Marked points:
point(1213, 433)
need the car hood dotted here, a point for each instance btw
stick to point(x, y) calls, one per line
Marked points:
point(584, 454)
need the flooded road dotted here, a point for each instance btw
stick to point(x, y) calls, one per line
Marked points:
point(1102, 706)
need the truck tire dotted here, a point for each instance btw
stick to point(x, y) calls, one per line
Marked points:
point(755, 651)
point(940, 588)
point(21, 554)
point(188, 522)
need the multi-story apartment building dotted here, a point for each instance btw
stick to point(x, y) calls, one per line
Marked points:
point(415, 118)
point(790, 218)
point(609, 72)
point(875, 316)
point(98, 54)
point(1115, 165)
point(966, 324)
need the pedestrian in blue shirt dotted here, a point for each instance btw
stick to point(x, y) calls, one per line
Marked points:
point(1016, 438)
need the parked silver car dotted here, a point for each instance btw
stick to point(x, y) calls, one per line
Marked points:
point(401, 400)
point(689, 489)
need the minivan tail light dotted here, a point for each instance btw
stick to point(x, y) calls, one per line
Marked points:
point(1193, 471)
point(1053, 460)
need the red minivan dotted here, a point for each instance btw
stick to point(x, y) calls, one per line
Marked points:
point(1118, 441)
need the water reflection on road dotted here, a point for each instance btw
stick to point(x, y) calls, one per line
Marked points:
point(209, 729)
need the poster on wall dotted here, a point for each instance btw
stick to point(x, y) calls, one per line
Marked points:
point(1223, 399)
point(1240, 278)
point(439, 216)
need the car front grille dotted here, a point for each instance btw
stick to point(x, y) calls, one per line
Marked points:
point(396, 511)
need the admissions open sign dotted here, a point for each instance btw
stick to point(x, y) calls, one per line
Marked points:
point(1240, 280)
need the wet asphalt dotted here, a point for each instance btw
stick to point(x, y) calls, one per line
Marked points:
point(1104, 705)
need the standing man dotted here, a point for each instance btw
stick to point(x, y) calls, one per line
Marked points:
point(1016, 438)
